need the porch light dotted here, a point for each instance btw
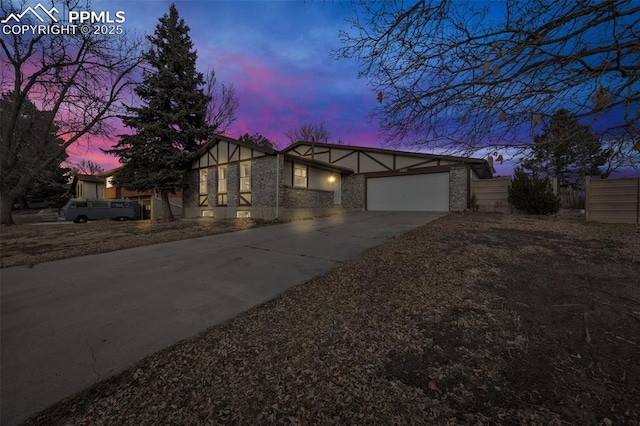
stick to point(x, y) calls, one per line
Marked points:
point(332, 179)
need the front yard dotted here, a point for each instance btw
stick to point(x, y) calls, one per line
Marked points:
point(471, 319)
point(33, 244)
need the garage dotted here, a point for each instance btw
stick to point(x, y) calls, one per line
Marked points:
point(416, 192)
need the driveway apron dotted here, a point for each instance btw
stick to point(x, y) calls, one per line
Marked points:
point(67, 324)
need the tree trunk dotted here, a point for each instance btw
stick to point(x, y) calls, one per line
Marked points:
point(6, 204)
point(167, 215)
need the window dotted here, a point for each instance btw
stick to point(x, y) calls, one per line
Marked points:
point(222, 179)
point(100, 204)
point(299, 175)
point(245, 176)
point(222, 185)
point(204, 173)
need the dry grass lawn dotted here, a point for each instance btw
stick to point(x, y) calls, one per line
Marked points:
point(30, 244)
point(472, 319)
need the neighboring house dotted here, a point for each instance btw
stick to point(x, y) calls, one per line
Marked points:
point(87, 186)
point(231, 178)
point(145, 198)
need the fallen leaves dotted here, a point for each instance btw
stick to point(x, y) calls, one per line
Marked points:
point(440, 326)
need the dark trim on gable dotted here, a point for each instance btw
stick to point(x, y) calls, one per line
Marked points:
point(366, 154)
point(418, 171)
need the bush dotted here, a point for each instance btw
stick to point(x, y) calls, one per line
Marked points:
point(532, 194)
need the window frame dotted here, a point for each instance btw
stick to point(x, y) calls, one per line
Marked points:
point(245, 178)
point(305, 169)
point(222, 195)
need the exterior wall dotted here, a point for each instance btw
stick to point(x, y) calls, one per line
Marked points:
point(263, 181)
point(492, 194)
point(353, 192)
point(613, 200)
point(190, 190)
point(233, 185)
point(89, 190)
point(212, 186)
point(307, 198)
point(458, 188)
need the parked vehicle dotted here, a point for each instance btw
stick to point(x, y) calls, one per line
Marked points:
point(40, 203)
point(81, 211)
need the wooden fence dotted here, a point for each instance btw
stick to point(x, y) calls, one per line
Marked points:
point(613, 200)
point(491, 195)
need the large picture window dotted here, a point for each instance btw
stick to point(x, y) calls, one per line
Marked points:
point(300, 175)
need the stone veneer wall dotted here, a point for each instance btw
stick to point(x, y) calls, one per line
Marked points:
point(307, 198)
point(233, 184)
point(212, 187)
point(458, 188)
point(263, 181)
point(353, 192)
point(190, 189)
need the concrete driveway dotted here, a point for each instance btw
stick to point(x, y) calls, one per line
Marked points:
point(71, 323)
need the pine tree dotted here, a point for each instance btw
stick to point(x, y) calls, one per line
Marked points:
point(567, 150)
point(532, 193)
point(170, 122)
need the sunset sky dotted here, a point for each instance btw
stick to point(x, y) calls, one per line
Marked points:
point(277, 55)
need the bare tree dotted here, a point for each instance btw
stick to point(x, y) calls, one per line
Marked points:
point(87, 167)
point(466, 75)
point(221, 110)
point(308, 132)
point(76, 79)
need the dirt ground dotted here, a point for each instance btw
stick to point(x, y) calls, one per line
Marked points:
point(30, 244)
point(471, 319)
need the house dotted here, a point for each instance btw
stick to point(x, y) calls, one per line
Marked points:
point(87, 186)
point(231, 178)
point(146, 199)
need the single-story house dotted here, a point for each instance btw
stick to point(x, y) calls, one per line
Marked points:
point(232, 179)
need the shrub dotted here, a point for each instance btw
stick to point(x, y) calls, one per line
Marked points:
point(532, 194)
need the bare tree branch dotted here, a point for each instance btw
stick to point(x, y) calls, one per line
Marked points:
point(463, 76)
point(77, 79)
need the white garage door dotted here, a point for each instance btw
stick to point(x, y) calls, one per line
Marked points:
point(427, 192)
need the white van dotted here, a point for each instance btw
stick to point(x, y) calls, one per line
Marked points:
point(81, 211)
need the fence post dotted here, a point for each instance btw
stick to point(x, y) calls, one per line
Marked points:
point(587, 198)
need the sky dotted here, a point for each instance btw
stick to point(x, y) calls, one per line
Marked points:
point(277, 56)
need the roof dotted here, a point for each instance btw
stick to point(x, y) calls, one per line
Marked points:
point(89, 178)
point(217, 138)
point(480, 165)
point(391, 151)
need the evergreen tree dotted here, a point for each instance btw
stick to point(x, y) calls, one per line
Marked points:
point(257, 139)
point(567, 150)
point(170, 123)
point(532, 193)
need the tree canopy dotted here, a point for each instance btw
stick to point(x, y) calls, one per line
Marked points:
point(170, 122)
point(463, 75)
point(257, 139)
point(567, 150)
point(75, 80)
